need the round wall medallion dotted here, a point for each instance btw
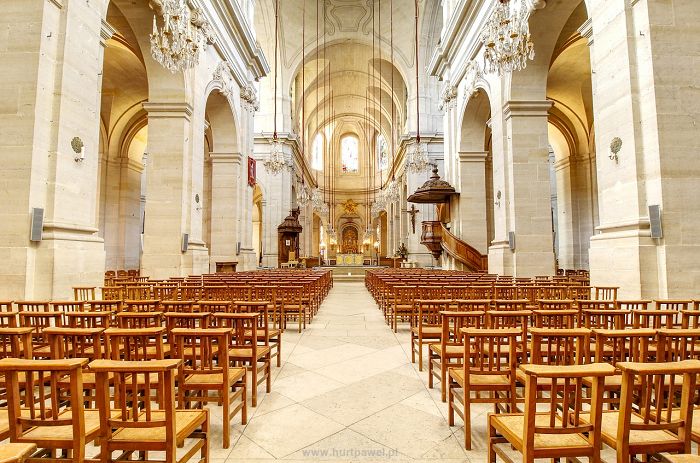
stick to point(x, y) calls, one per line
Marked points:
point(77, 144)
point(616, 145)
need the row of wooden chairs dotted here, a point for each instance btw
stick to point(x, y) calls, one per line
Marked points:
point(46, 409)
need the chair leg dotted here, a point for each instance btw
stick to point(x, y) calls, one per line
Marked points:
point(254, 382)
point(443, 379)
point(225, 392)
point(450, 407)
point(420, 354)
point(244, 398)
point(467, 420)
point(268, 383)
point(491, 443)
point(279, 350)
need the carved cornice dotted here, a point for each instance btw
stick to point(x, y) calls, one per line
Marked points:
point(226, 158)
point(526, 108)
point(168, 110)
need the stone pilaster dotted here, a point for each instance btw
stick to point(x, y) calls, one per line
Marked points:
point(472, 199)
point(225, 222)
point(169, 204)
point(528, 195)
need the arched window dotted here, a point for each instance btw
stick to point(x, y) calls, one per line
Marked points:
point(317, 152)
point(349, 148)
point(382, 152)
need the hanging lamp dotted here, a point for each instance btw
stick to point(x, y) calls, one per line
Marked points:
point(417, 159)
point(276, 162)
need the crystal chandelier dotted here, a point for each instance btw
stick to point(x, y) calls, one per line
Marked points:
point(276, 161)
point(417, 159)
point(506, 38)
point(332, 236)
point(378, 206)
point(176, 45)
point(303, 194)
point(318, 203)
point(392, 193)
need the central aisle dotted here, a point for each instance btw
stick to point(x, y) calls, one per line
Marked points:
point(347, 391)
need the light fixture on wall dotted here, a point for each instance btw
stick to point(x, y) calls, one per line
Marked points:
point(417, 159)
point(615, 147)
point(177, 44)
point(506, 37)
point(79, 148)
point(276, 161)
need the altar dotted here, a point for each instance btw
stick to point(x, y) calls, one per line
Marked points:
point(349, 260)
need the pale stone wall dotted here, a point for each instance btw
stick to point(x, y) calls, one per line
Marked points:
point(52, 54)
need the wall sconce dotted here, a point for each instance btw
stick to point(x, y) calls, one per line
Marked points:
point(197, 206)
point(79, 147)
point(615, 147)
point(498, 198)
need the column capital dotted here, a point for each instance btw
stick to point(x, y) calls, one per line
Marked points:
point(526, 108)
point(226, 158)
point(106, 32)
point(168, 110)
point(586, 31)
point(473, 156)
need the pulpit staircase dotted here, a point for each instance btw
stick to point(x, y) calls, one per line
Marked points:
point(438, 238)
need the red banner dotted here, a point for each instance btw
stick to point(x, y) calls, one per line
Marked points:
point(251, 171)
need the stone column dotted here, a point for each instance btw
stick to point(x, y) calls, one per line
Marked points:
point(529, 208)
point(645, 85)
point(564, 213)
point(52, 58)
point(169, 202)
point(472, 199)
point(225, 180)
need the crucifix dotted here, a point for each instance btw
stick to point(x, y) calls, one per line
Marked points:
point(413, 211)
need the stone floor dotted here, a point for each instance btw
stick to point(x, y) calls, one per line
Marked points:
point(347, 391)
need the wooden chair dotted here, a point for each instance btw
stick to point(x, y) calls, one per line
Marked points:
point(204, 369)
point(9, 318)
point(608, 293)
point(67, 343)
point(137, 345)
point(515, 304)
point(84, 293)
point(215, 306)
point(428, 326)
point(616, 346)
point(449, 351)
point(488, 366)
point(292, 305)
point(177, 306)
point(66, 306)
point(562, 319)
point(555, 429)
point(39, 321)
point(139, 319)
point(655, 319)
point(660, 418)
point(88, 319)
point(129, 425)
point(15, 452)
point(403, 306)
point(190, 321)
point(141, 305)
point(244, 348)
point(52, 421)
point(267, 336)
point(500, 319)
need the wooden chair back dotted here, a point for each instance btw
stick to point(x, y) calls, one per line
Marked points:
point(515, 304)
point(553, 346)
point(88, 319)
point(141, 305)
point(84, 293)
point(134, 344)
point(215, 306)
point(139, 319)
point(152, 426)
point(177, 306)
point(67, 306)
point(677, 344)
point(33, 306)
point(562, 414)
point(607, 319)
point(608, 293)
point(559, 318)
point(16, 342)
point(45, 404)
point(668, 392)
point(655, 319)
